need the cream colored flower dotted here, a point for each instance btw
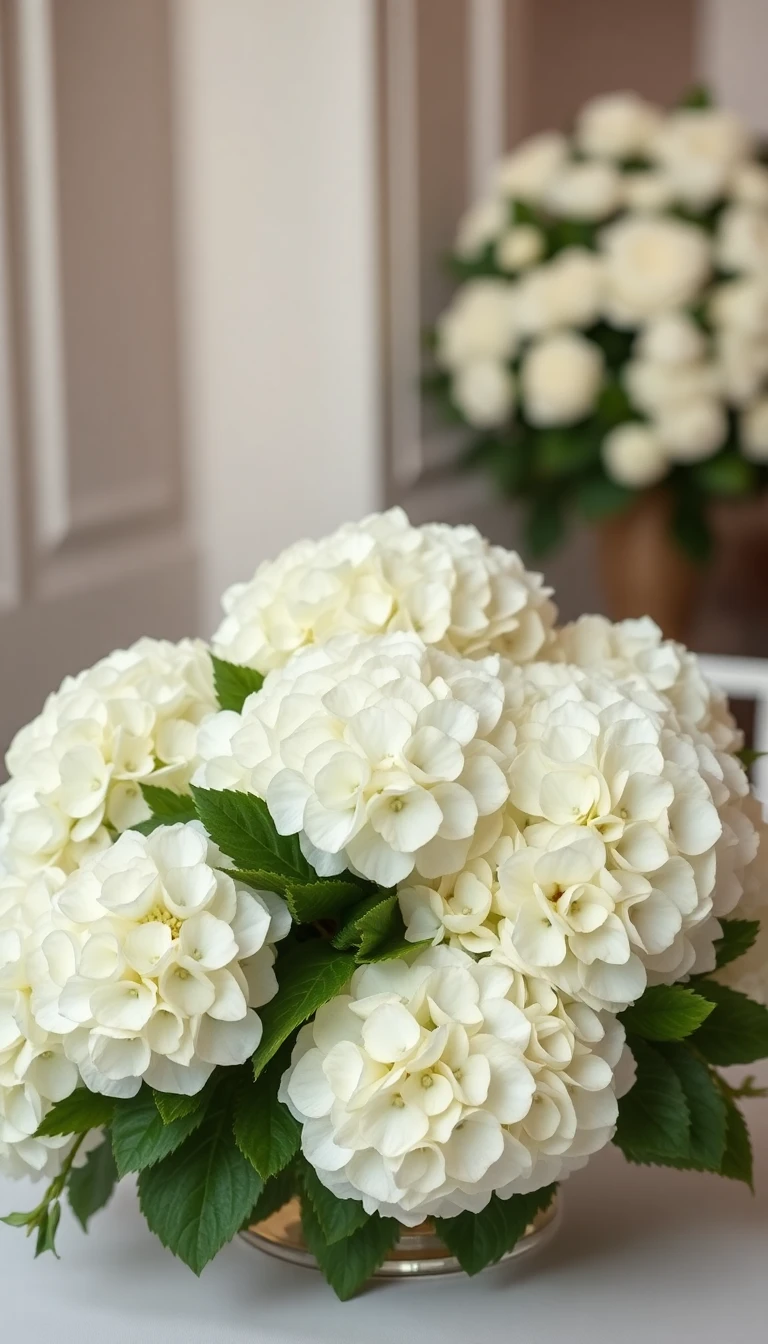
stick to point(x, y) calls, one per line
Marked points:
point(692, 431)
point(519, 247)
point(378, 753)
point(743, 364)
point(657, 386)
point(75, 771)
point(654, 265)
point(560, 379)
point(647, 190)
point(741, 305)
point(446, 583)
point(700, 149)
point(482, 224)
point(753, 431)
point(479, 323)
point(34, 1072)
point(673, 338)
point(484, 393)
point(749, 184)
point(742, 239)
point(617, 126)
point(584, 190)
point(431, 1086)
point(157, 965)
point(634, 455)
point(564, 292)
point(527, 172)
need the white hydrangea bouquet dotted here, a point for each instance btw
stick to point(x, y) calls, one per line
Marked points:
point(404, 900)
point(610, 334)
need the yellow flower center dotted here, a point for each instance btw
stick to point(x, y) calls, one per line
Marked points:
point(159, 915)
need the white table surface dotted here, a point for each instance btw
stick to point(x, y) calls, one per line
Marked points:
point(643, 1255)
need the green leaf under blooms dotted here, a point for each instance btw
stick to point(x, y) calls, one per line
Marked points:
point(666, 1013)
point(234, 683)
point(80, 1111)
point(90, 1187)
point(481, 1239)
point(140, 1136)
point(196, 1199)
point(309, 975)
point(348, 1263)
point(736, 1032)
point(738, 936)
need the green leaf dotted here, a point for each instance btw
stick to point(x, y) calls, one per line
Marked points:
point(258, 879)
point(737, 1159)
point(565, 452)
point(241, 826)
point(338, 1218)
point(234, 683)
point(736, 1032)
point(168, 807)
point(666, 1013)
point(140, 1137)
point(349, 1263)
point(310, 974)
point(80, 1111)
point(738, 937)
point(613, 406)
point(198, 1197)
point(321, 899)
point(173, 1107)
point(698, 96)
point(727, 474)
point(277, 1191)
point(691, 529)
point(544, 526)
point(265, 1131)
point(370, 923)
point(90, 1187)
point(706, 1107)
point(480, 1239)
point(47, 1228)
point(654, 1122)
point(748, 756)
point(597, 498)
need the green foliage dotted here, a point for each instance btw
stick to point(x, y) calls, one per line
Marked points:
point(706, 1108)
point(310, 974)
point(173, 1107)
point(197, 1198)
point(597, 497)
point(738, 937)
point(44, 1218)
point(370, 924)
point(736, 1032)
point(480, 1239)
point(748, 756)
point(265, 1131)
point(277, 1191)
point(544, 525)
point(168, 807)
point(348, 1263)
point(690, 526)
point(666, 1013)
point(737, 1159)
point(324, 898)
point(338, 1218)
point(90, 1186)
point(727, 474)
point(241, 826)
point(698, 96)
point(654, 1123)
point(234, 683)
point(140, 1136)
point(81, 1111)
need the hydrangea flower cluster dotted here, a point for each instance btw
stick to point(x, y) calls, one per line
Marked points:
point(624, 832)
point(380, 753)
point(432, 1085)
point(76, 769)
point(614, 302)
point(466, 862)
point(448, 584)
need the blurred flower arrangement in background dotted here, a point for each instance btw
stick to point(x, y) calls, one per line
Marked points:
point(610, 334)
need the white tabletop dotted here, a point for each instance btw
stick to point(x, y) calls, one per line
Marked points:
point(643, 1255)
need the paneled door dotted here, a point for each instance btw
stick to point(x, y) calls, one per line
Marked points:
point(94, 547)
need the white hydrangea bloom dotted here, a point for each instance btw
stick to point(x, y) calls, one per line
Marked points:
point(626, 831)
point(653, 265)
point(430, 1086)
point(380, 753)
point(700, 148)
point(157, 964)
point(34, 1072)
point(749, 973)
point(479, 323)
point(75, 771)
point(617, 126)
point(446, 583)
